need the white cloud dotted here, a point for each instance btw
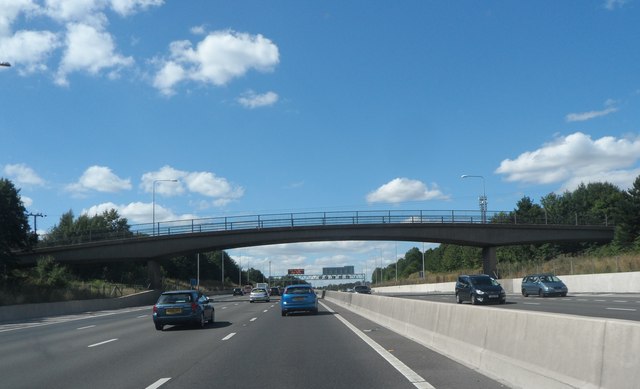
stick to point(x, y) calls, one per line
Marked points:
point(26, 201)
point(403, 189)
point(23, 175)
point(198, 30)
point(613, 4)
point(204, 183)
point(584, 116)
point(138, 213)
point(128, 7)
point(89, 49)
point(577, 158)
point(220, 57)
point(87, 44)
point(101, 179)
point(29, 50)
point(84, 11)
point(254, 100)
point(10, 10)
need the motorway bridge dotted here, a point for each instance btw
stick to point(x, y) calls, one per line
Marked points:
point(150, 243)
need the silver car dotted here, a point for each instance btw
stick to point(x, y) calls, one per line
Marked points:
point(258, 294)
point(543, 285)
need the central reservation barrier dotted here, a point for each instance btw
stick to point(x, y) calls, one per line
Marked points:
point(523, 349)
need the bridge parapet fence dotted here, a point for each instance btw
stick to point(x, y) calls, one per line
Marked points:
point(315, 219)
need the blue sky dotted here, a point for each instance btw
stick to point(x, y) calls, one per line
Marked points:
point(290, 106)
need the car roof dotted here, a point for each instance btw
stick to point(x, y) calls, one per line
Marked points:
point(180, 291)
point(540, 274)
point(299, 286)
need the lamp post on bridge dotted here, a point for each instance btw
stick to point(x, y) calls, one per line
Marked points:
point(153, 210)
point(483, 198)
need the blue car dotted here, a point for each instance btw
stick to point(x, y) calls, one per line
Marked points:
point(182, 307)
point(299, 298)
point(543, 285)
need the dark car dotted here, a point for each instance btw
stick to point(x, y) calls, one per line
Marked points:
point(297, 298)
point(275, 291)
point(479, 289)
point(364, 289)
point(238, 292)
point(543, 285)
point(182, 307)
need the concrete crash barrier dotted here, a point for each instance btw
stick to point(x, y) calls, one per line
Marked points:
point(523, 349)
point(32, 311)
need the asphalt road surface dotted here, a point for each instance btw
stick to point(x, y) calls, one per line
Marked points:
point(611, 306)
point(249, 346)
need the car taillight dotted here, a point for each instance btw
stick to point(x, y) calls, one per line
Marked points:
point(155, 309)
point(194, 307)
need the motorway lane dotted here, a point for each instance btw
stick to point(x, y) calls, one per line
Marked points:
point(250, 346)
point(610, 306)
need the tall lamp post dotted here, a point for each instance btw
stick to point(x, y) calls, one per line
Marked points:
point(153, 210)
point(482, 199)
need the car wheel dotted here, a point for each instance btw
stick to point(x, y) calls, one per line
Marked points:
point(541, 293)
point(284, 313)
point(564, 295)
point(268, 300)
point(213, 313)
point(474, 300)
point(315, 311)
point(458, 299)
point(524, 293)
point(159, 326)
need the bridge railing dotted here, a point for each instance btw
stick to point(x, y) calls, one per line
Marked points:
point(312, 219)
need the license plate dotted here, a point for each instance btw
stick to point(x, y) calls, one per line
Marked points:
point(173, 311)
point(493, 296)
point(298, 298)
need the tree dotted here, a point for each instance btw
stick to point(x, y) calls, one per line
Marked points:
point(86, 228)
point(14, 225)
point(628, 228)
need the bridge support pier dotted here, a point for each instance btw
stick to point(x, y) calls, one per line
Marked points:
point(154, 274)
point(489, 261)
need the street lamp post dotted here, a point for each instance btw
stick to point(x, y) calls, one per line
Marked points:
point(153, 210)
point(482, 199)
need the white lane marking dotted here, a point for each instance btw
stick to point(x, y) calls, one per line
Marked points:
point(254, 319)
point(582, 300)
point(224, 307)
point(531, 303)
point(600, 301)
point(141, 316)
point(622, 309)
point(47, 321)
point(229, 336)
point(620, 301)
point(405, 370)
point(266, 310)
point(85, 327)
point(101, 343)
point(158, 383)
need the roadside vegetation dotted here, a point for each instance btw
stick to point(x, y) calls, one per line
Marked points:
point(595, 203)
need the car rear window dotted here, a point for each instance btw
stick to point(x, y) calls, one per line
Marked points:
point(298, 290)
point(175, 298)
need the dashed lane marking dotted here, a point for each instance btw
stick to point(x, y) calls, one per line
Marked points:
point(101, 343)
point(158, 383)
point(229, 336)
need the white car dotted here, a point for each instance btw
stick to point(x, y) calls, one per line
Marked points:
point(258, 294)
